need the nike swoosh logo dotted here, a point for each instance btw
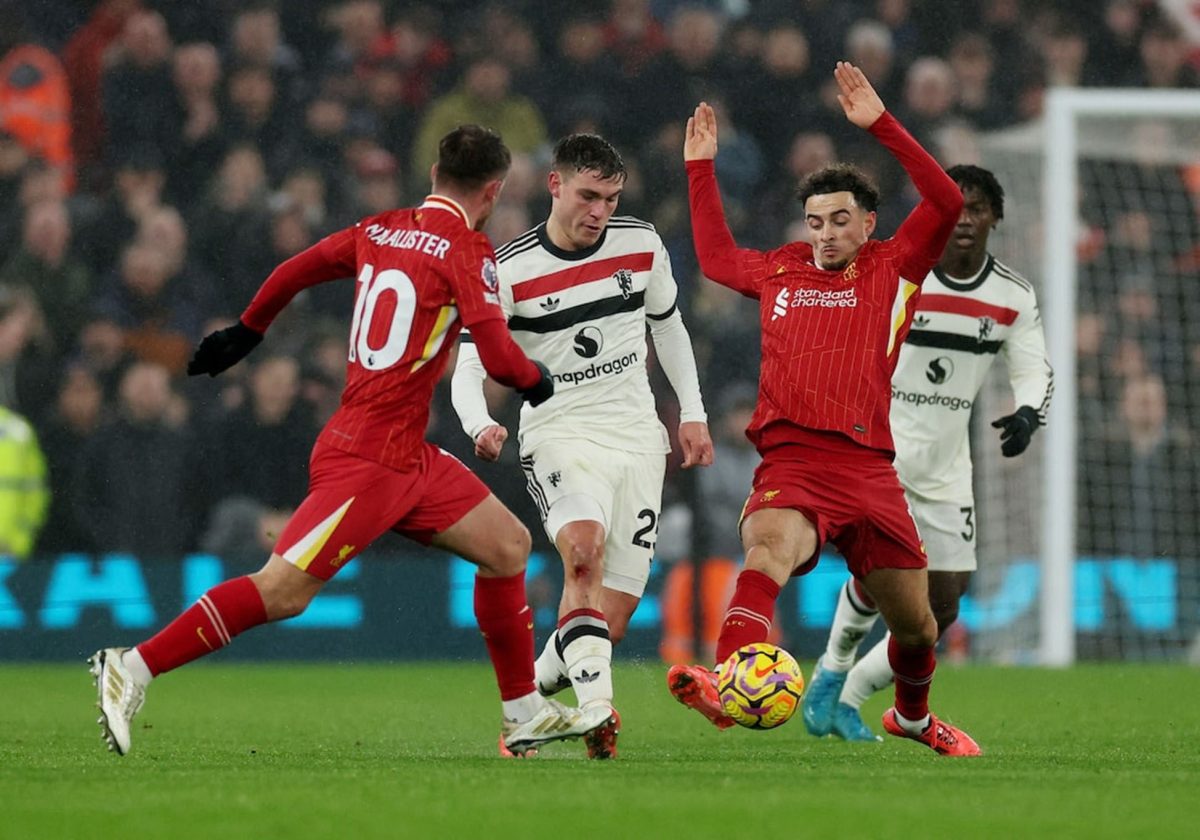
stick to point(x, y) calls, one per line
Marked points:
point(200, 633)
point(759, 673)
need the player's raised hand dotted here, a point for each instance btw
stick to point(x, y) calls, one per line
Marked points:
point(700, 140)
point(858, 99)
point(223, 349)
point(489, 442)
point(696, 444)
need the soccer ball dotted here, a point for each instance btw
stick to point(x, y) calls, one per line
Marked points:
point(760, 686)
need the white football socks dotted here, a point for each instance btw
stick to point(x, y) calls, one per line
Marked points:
point(549, 671)
point(870, 674)
point(852, 620)
point(524, 708)
point(137, 667)
point(587, 656)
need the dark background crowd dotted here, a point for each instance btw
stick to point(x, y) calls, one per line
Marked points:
point(158, 159)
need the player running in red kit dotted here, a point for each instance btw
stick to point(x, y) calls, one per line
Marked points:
point(834, 316)
point(422, 274)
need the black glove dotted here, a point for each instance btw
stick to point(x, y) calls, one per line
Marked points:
point(1018, 430)
point(223, 349)
point(542, 390)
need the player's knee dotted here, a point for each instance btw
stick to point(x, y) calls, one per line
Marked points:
point(945, 615)
point(514, 551)
point(583, 562)
point(918, 631)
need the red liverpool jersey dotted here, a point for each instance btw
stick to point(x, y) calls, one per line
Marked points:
point(422, 274)
point(831, 339)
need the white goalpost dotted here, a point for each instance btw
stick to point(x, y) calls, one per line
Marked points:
point(1120, 157)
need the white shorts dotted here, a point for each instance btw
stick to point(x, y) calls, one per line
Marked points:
point(948, 531)
point(577, 480)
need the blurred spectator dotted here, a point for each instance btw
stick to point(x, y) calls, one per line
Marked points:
point(689, 70)
point(27, 368)
point(129, 489)
point(724, 486)
point(230, 226)
point(633, 35)
point(869, 46)
point(255, 39)
point(160, 316)
point(200, 142)
point(976, 97)
point(76, 416)
point(1064, 52)
point(783, 76)
point(35, 99)
point(44, 263)
point(1164, 54)
point(1140, 487)
point(256, 116)
point(272, 426)
point(929, 96)
point(585, 80)
point(138, 94)
point(105, 227)
point(358, 25)
point(83, 60)
point(415, 50)
point(1117, 51)
point(484, 97)
point(23, 492)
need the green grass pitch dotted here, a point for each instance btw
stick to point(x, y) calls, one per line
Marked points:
point(408, 750)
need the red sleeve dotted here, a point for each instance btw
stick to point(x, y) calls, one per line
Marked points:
point(475, 281)
point(925, 232)
point(333, 258)
point(502, 358)
point(720, 258)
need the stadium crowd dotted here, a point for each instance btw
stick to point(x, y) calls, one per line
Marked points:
point(158, 159)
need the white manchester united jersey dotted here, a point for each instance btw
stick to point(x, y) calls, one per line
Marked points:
point(959, 328)
point(583, 315)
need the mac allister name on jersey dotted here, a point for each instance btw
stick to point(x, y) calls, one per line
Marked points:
point(959, 328)
point(583, 314)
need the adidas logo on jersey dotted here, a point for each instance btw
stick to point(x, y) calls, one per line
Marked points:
point(921, 321)
point(550, 304)
point(781, 304)
point(586, 677)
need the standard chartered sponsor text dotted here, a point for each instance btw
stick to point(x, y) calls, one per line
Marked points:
point(595, 371)
point(825, 297)
point(944, 400)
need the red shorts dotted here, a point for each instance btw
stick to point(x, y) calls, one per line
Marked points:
point(855, 501)
point(351, 501)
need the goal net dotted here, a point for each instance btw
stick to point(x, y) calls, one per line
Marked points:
point(1089, 544)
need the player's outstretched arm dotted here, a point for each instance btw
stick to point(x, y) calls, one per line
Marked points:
point(718, 253)
point(927, 229)
point(673, 346)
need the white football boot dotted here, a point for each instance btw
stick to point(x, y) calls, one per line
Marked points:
point(120, 697)
point(553, 722)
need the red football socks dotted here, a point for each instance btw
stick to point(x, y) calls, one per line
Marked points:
point(211, 623)
point(506, 622)
point(750, 613)
point(913, 667)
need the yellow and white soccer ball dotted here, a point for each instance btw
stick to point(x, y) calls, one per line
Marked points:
point(760, 686)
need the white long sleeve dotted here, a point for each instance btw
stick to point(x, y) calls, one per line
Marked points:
point(466, 390)
point(674, 347)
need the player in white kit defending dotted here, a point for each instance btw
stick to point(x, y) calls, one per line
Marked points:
point(579, 291)
point(972, 307)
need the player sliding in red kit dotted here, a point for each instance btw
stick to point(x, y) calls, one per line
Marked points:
point(834, 315)
point(422, 274)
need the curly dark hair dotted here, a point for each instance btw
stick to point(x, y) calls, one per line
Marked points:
point(978, 178)
point(840, 177)
point(589, 153)
point(472, 155)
